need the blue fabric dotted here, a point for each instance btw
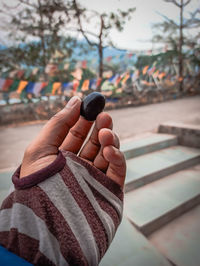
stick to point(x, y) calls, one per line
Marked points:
point(8, 258)
point(29, 87)
point(67, 86)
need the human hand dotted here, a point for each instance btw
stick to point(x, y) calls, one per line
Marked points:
point(67, 131)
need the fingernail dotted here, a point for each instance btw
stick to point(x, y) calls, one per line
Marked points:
point(73, 101)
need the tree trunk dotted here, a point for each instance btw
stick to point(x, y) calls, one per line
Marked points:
point(100, 51)
point(180, 49)
point(100, 60)
point(41, 34)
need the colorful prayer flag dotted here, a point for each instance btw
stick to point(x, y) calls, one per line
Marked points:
point(155, 74)
point(67, 86)
point(135, 75)
point(29, 87)
point(99, 80)
point(151, 70)
point(85, 85)
point(75, 84)
point(47, 90)
point(125, 78)
point(56, 87)
point(107, 86)
point(109, 58)
point(14, 85)
point(13, 73)
point(77, 74)
point(35, 71)
point(84, 63)
point(21, 86)
point(93, 83)
point(114, 78)
point(161, 75)
point(38, 86)
point(118, 80)
point(20, 73)
point(7, 84)
point(2, 81)
point(144, 71)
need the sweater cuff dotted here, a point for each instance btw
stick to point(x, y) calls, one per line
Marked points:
point(33, 179)
point(97, 174)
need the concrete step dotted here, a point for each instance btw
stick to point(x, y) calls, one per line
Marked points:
point(3, 194)
point(179, 240)
point(157, 203)
point(130, 247)
point(5, 184)
point(150, 167)
point(188, 134)
point(147, 144)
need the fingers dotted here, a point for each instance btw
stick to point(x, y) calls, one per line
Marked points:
point(106, 138)
point(56, 129)
point(109, 159)
point(117, 164)
point(77, 135)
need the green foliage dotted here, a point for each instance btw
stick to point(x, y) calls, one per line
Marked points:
point(88, 74)
point(168, 31)
point(40, 27)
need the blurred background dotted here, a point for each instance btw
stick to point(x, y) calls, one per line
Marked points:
point(55, 49)
point(144, 57)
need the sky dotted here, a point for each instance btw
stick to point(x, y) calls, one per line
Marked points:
point(138, 32)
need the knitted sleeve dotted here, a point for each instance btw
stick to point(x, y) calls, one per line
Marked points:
point(64, 214)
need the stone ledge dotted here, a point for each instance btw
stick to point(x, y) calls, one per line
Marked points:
point(188, 135)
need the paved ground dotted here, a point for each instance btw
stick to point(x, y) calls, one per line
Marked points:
point(128, 122)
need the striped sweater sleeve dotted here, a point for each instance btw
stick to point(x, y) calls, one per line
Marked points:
point(64, 214)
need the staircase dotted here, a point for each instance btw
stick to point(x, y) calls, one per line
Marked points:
point(162, 184)
point(5, 184)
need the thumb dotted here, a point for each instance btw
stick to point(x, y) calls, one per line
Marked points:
point(56, 129)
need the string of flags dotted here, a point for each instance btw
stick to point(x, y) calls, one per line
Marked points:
point(52, 88)
point(53, 67)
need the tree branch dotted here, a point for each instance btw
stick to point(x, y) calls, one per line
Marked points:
point(27, 3)
point(167, 19)
point(11, 7)
point(80, 24)
point(173, 2)
point(177, 4)
point(186, 3)
point(79, 30)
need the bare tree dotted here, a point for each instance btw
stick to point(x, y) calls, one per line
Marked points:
point(104, 22)
point(173, 33)
point(181, 6)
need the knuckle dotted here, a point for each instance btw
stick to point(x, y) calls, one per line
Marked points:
point(77, 134)
point(57, 117)
point(29, 150)
point(95, 142)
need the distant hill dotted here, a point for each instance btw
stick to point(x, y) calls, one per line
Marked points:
point(90, 54)
point(108, 51)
